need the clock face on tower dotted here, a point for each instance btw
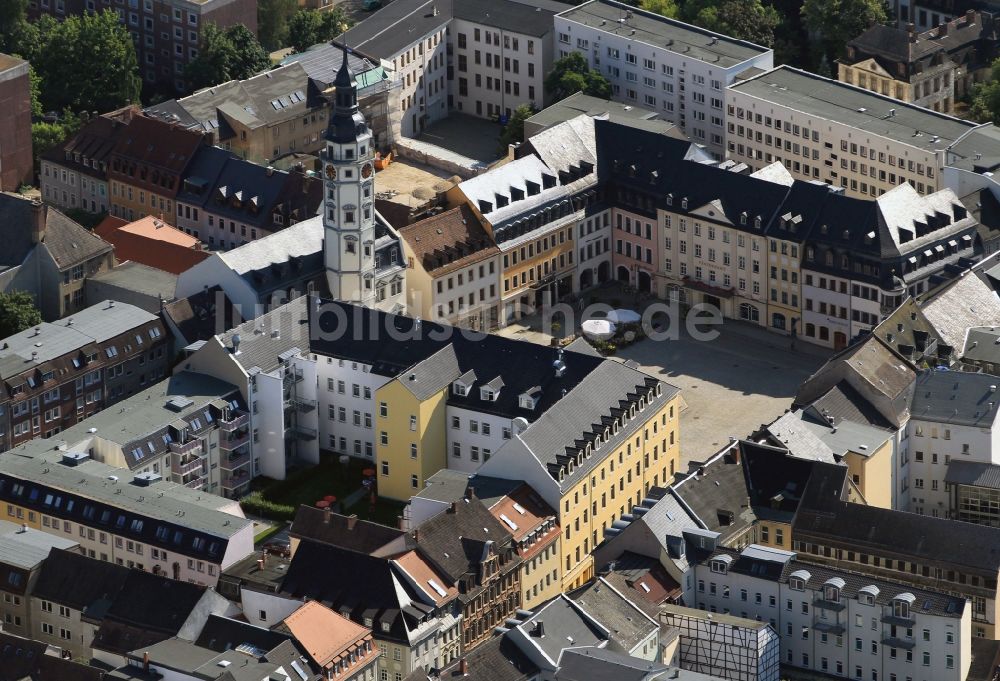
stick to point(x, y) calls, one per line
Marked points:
point(366, 171)
point(331, 172)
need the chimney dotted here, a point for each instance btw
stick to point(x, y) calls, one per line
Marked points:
point(39, 211)
point(326, 515)
point(463, 667)
point(24, 528)
point(263, 558)
point(470, 492)
point(735, 453)
point(970, 16)
point(454, 507)
point(942, 29)
point(352, 520)
point(145, 662)
point(416, 534)
point(912, 30)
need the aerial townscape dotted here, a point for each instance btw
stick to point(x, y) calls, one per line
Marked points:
point(510, 340)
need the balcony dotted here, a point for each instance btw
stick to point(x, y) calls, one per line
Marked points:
point(231, 463)
point(235, 439)
point(185, 465)
point(828, 627)
point(834, 606)
point(234, 423)
point(896, 642)
point(187, 447)
point(235, 480)
point(293, 375)
point(194, 481)
point(908, 622)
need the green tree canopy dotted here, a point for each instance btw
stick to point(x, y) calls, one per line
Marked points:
point(45, 136)
point(571, 74)
point(513, 132)
point(230, 54)
point(310, 27)
point(985, 105)
point(667, 8)
point(17, 313)
point(838, 21)
point(86, 63)
point(272, 22)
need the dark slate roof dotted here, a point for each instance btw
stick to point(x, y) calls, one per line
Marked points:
point(824, 515)
point(23, 659)
point(199, 317)
point(80, 583)
point(563, 625)
point(985, 660)
point(601, 664)
point(521, 365)
point(202, 173)
point(956, 397)
point(397, 25)
point(148, 609)
point(269, 335)
point(894, 43)
point(715, 489)
point(844, 403)
point(628, 623)
point(222, 633)
point(531, 17)
point(454, 541)
point(498, 659)
point(67, 241)
point(353, 584)
point(771, 472)
point(93, 142)
point(973, 473)
point(360, 536)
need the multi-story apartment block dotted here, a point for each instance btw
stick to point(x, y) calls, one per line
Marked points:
point(48, 255)
point(22, 553)
point(454, 269)
point(953, 417)
point(797, 258)
point(125, 518)
point(532, 217)
point(15, 131)
point(146, 166)
point(58, 374)
point(838, 133)
point(418, 58)
point(597, 476)
point(189, 429)
point(74, 174)
point(500, 54)
point(833, 621)
point(227, 202)
point(167, 33)
point(949, 556)
point(678, 70)
point(931, 69)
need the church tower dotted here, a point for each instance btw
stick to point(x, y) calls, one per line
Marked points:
point(348, 211)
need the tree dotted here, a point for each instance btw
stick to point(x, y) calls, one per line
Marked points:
point(513, 132)
point(87, 63)
point(17, 313)
point(45, 136)
point(310, 27)
point(985, 105)
point(272, 22)
point(667, 8)
point(35, 86)
point(838, 21)
point(571, 74)
point(230, 54)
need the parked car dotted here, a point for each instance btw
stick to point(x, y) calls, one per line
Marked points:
point(278, 548)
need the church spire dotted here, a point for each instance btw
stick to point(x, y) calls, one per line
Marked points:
point(346, 122)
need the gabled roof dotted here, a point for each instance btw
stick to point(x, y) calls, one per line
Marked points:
point(360, 536)
point(628, 624)
point(202, 315)
point(324, 634)
point(448, 241)
point(497, 659)
point(80, 583)
point(397, 25)
point(152, 242)
point(23, 659)
point(263, 339)
point(715, 492)
point(455, 541)
point(67, 242)
point(956, 397)
point(964, 303)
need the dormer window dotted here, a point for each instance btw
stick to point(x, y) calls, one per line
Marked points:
point(487, 395)
point(720, 565)
point(756, 222)
point(529, 400)
point(684, 203)
point(607, 434)
point(460, 389)
point(743, 218)
point(831, 593)
point(796, 584)
point(670, 199)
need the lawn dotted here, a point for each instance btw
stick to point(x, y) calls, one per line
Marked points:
point(308, 485)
